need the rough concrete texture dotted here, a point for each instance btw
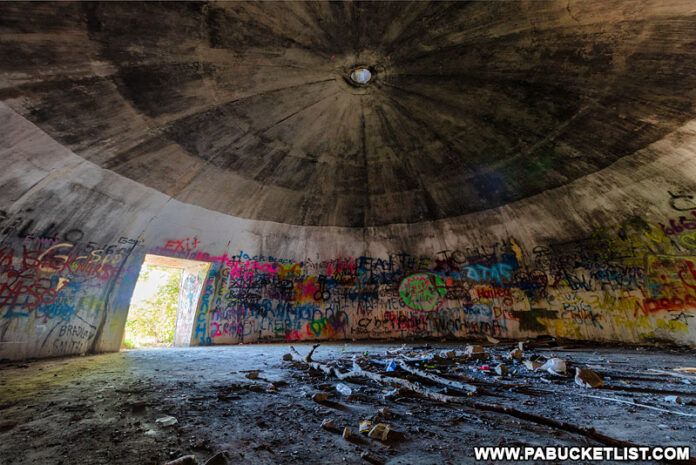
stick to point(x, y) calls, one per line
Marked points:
point(514, 169)
point(248, 108)
point(103, 409)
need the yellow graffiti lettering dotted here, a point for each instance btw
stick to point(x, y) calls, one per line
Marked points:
point(672, 325)
point(62, 257)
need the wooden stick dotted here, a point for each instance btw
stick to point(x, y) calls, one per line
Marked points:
point(360, 373)
point(438, 379)
point(587, 432)
point(308, 358)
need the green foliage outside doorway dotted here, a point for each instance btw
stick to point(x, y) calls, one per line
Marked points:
point(152, 313)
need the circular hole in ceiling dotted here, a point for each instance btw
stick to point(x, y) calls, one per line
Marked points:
point(361, 75)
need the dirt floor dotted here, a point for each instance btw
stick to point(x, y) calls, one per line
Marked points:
point(102, 409)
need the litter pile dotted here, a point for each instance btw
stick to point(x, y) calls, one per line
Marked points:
point(469, 378)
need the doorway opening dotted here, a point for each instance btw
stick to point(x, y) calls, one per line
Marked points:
point(164, 302)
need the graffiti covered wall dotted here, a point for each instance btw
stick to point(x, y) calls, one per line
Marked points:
point(192, 281)
point(610, 258)
point(54, 288)
point(633, 282)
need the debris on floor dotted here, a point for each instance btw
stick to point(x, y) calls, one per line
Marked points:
point(379, 431)
point(327, 424)
point(166, 421)
point(587, 378)
point(371, 458)
point(438, 377)
point(674, 399)
point(408, 403)
point(555, 366)
point(343, 389)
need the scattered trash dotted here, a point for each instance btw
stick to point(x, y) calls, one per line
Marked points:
point(343, 389)
point(385, 413)
point(380, 431)
point(587, 378)
point(287, 357)
point(371, 458)
point(532, 365)
point(151, 432)
point(554, 366)
point(391, 366)
point(448, 354)
point(185, 460)
point(167, 421)
point(320, 397)
point(327, 423)
point(471, 350)
point(501, 370)
point(674, 399)
point(686, 369)
point(445, 385)
point(492, 340)
point(396, 351)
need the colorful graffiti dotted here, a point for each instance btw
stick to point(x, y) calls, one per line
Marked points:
point(632, 281)
point(422, 291)
point(596, 288)
point(55, 286)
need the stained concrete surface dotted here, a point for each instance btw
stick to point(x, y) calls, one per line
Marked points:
point(246, 108)
point(84, 409)
point(633, 212)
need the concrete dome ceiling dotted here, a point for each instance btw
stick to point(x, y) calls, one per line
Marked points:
point(248, 108)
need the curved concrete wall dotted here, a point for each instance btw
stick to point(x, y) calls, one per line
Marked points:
point(610, 257)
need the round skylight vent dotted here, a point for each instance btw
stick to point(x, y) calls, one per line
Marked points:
point(361, 75)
